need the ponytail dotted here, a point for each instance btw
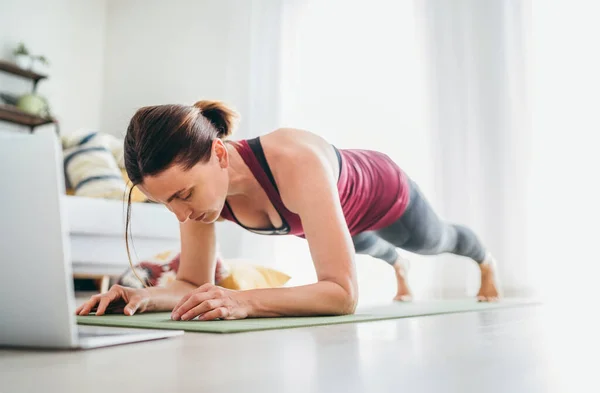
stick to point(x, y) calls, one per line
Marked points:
point(223, 118)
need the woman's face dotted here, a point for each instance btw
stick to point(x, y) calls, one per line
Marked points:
point(196, 194)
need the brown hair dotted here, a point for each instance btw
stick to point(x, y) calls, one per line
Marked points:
point(165, 135)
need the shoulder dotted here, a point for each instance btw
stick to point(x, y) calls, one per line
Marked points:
point(300, 161)
point(294, 151)
point(286, 145)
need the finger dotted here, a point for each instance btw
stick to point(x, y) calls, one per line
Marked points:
point(217, 313)
point(87, 306)
point(192, 302)
point(104, 302)
point(204, 307)
point(133, 305)
point(182, 302)
point(107, 298)
point(184, 299)
point(202, 288)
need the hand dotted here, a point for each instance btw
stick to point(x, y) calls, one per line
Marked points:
point(117, 299)
point(210, 302)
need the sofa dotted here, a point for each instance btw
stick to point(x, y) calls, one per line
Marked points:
point(97, 234)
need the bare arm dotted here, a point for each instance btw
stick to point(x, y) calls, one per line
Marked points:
point(196, 266)
point(165, 298)
point(310, 190)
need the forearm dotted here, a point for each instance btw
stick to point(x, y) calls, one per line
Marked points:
point(165, 298)
point(321, 298)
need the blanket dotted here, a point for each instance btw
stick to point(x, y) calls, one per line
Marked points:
point(161, 269)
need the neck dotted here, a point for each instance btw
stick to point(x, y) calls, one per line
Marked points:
point(239, 175)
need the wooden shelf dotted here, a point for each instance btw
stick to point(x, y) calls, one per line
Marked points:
point(11, 113)
point(14, 115)
point(14, 69)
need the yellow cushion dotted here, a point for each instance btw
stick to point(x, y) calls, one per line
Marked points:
point(243, 276)
point(136, 194)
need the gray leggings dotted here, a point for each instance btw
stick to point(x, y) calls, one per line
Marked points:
point(421, 231)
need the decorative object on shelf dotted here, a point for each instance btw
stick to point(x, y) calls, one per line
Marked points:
point(39, 64)
point(22, 57)
point(27, 61)
point(34, 104)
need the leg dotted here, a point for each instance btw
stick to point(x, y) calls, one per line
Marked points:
point(421, 231)
point(368, 243)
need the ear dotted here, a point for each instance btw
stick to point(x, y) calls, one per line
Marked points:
point(220, 151)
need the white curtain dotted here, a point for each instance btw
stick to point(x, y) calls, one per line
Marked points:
point(451, 91)
point(478, 112)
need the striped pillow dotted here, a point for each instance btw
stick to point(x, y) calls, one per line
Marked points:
point(91, 169)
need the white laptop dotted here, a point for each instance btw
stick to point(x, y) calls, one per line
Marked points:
point(37, 302)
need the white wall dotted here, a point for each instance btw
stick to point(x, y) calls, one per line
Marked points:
point(564, 188)
point(160, 52)
point(70, 33)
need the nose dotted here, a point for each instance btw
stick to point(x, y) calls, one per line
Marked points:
point(181, 212)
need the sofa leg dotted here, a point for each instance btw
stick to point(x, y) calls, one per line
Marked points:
point(104, 284)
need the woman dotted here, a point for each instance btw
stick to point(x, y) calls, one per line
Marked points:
point(286, 182)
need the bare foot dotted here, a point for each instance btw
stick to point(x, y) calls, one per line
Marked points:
point(489, 290)
point(401, 269)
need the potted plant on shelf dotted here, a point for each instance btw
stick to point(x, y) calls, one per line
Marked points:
point(39, 64)
point(22, 56)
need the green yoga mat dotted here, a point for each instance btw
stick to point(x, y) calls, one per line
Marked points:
point(162, 320)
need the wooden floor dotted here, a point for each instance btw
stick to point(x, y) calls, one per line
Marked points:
point(530, 349)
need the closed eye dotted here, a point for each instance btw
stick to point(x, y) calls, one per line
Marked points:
point(188, 196)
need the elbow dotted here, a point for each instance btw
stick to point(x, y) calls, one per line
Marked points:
point(348, 306)
point(347, 300)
